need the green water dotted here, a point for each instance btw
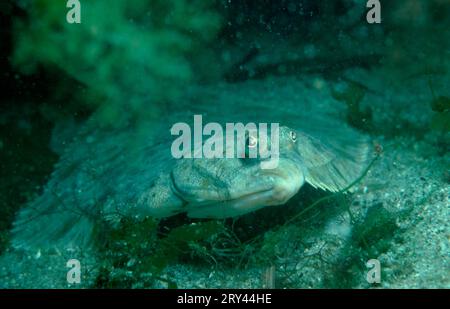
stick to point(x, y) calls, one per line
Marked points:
point(90, 94)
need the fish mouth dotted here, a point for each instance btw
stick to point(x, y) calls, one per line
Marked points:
point(232, 207)
point(273, 194)
point(235, 197)
point(250, 198)
point(243, 194)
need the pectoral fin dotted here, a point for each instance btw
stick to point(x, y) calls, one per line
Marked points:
point(336, 165)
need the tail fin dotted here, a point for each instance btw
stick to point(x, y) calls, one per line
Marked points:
point(47, 223)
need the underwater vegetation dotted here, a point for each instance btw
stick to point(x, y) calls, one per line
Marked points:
point(372, 236)
point(131, 58)
point(352, 95)
point(131, 263)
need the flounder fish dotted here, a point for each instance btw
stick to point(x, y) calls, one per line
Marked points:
point(105, 174)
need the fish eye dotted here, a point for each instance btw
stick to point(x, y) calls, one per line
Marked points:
point(252, 141)
point(293, 136)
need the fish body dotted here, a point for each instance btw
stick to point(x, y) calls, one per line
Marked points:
point(106, 174)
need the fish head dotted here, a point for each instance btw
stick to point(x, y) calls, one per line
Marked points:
point(229, 186)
